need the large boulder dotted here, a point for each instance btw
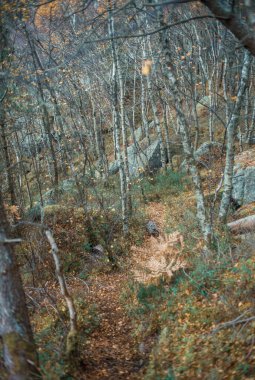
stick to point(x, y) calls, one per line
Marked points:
point(244, 178)
point(140, 158)
point(244, 185)
point(148, 159)
point(113, 167)
point(205, 154)
point(205, 150)
point(203, 104)
point(138, 134)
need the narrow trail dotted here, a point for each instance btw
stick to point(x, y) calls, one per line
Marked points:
point(112, 351)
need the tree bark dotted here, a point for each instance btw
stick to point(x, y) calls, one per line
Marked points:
point(71, 343)
point(231, 19)
point(20, 355)
point(117, 125)
point(172, 82)
point(231, 130)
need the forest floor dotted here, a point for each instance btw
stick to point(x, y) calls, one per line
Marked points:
point(140, 319)
point(113, 351)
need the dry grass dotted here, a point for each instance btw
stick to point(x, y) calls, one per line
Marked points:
point(246, 158)
point(158, 257)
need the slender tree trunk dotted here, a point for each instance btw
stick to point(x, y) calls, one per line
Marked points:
point(124, 133)
point(143, 110)
point(168, 71)
point(71, 344)
point(231, 131)
point(10, 179)
point(155, 114)
point(116, 124)
point(47, 119)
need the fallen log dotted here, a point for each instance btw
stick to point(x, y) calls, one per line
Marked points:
point(242, 226)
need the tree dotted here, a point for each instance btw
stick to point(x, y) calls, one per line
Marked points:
point(237, 16)
point(20, 355)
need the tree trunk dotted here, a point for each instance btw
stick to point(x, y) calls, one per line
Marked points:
point(20, 355)
point(232, 19)
point(231, 130)
point(116, 125)
point(168, 72)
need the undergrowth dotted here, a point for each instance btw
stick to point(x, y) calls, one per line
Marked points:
point(157, 186)
point(199, 325)
point(190, 319)
point(50, 335)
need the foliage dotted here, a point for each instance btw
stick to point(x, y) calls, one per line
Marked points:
point(188, 318)
point(156, 187)
point(50, 332)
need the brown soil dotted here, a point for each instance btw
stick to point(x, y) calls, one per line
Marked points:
point(112, 350)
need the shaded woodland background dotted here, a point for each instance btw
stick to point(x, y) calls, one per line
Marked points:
point(127, 189)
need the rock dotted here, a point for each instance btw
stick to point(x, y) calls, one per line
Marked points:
point(152, 228)
point(98, 254)
point(34, 214)
point(138, 134)
point(98, 250)
point(243, 226)
point(49, 197)
point(244, 185)
point(148, 158)
point(203, 104)
point(205, 150)
point(67, 185)
point(205, 154)
point(113, 167)
point(243, 191)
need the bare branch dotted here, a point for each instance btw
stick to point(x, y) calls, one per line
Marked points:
point(233, 21)
point(169, 2)
point(150, 33)
point(233, 323)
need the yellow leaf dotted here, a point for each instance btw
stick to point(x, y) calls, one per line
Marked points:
point(146, 67)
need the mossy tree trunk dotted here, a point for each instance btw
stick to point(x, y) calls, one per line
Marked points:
point(20, 357)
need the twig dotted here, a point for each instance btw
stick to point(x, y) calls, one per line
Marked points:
point(84, 282)
point(10, 241)
point(217, 191)
point(71, 341)
point(234, 322)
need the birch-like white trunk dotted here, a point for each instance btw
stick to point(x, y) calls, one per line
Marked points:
point(231, 131)
point(168, 72)
point(117, 123)
point(71, 343)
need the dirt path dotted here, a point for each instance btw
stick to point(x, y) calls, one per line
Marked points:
point(112, 351)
